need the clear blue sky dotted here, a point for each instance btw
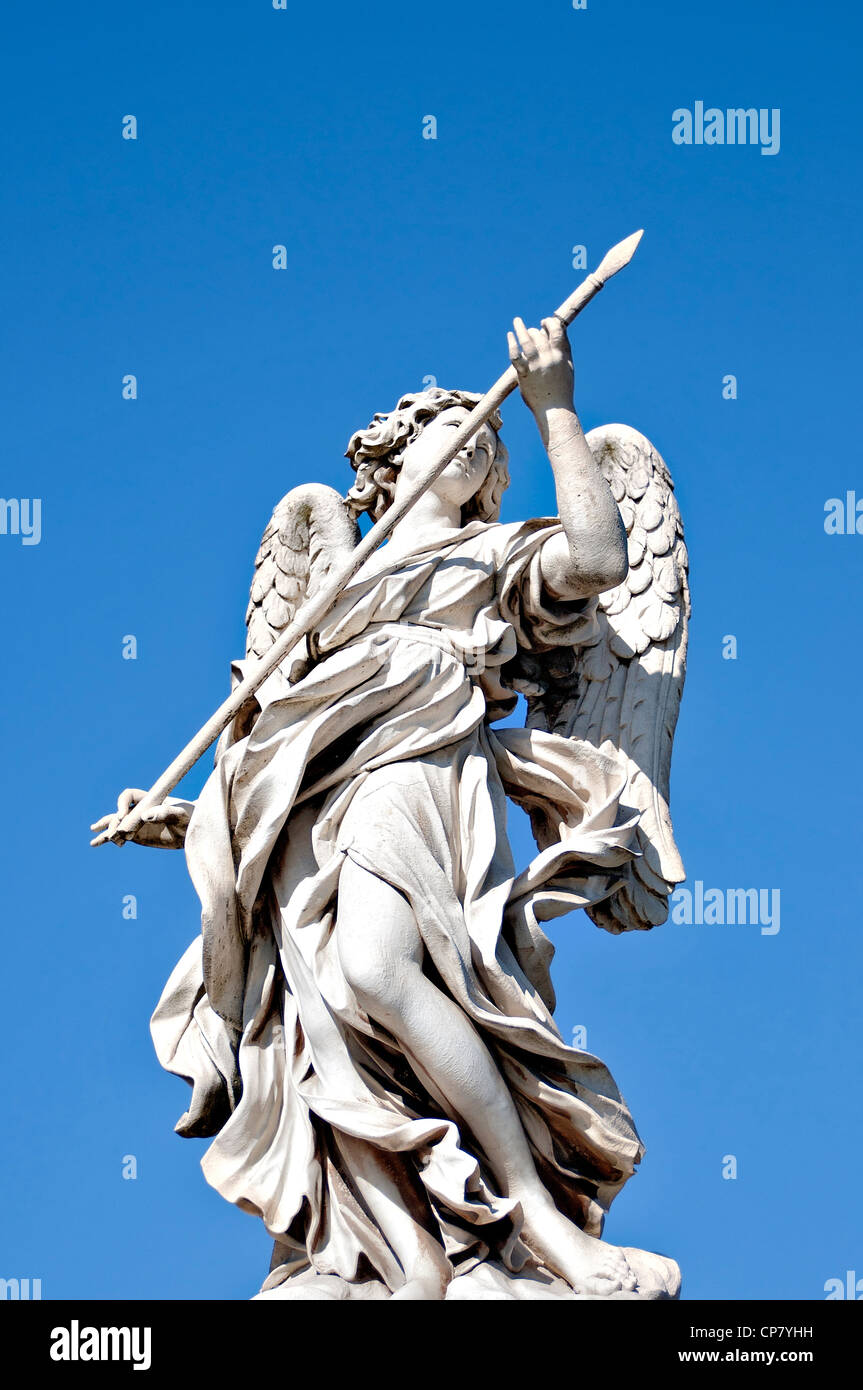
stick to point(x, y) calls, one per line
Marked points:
point(408, 257)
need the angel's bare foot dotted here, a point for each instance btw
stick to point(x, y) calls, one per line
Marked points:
point(426, 1283)
point(589, 1265)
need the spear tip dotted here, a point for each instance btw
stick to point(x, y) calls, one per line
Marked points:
point(619, 256)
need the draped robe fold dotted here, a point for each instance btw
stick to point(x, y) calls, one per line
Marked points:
point(384, 751)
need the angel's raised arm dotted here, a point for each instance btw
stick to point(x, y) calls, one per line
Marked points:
point(590, 555)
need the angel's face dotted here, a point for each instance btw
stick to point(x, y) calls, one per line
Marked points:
point(465, 474)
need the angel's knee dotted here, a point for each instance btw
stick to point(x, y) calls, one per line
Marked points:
point(379, 946)
point(383, 983)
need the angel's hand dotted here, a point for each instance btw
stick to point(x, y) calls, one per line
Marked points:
point(543, 364)
point(163, 827)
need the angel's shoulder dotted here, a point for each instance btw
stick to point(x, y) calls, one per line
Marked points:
point(505, 539)
point(518, 541)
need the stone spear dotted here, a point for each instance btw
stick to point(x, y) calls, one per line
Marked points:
point(315, 609)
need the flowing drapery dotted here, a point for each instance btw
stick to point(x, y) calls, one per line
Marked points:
point(384, 752)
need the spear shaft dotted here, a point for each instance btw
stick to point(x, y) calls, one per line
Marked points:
point(315, 609)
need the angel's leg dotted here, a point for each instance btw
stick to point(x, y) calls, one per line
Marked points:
point(381, 954)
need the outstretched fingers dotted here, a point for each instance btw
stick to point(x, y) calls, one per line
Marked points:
point(107, 825)
point(524, 345)
point(109, 831)
point(529, 347)
point(531, 340)
point(515, 356)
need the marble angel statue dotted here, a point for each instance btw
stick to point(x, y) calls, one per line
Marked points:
point(366, 1018)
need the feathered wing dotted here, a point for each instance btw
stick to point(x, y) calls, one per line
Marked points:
point(309, 533)
point(625, 687)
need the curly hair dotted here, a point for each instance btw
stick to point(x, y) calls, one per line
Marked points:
point(376, 455)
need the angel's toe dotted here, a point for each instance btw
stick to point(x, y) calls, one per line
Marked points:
point(602, 1284)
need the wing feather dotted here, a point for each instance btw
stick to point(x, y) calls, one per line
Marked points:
point(623, 691)
point(308, 534)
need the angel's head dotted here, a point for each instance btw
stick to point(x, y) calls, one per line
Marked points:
point(405, 442)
